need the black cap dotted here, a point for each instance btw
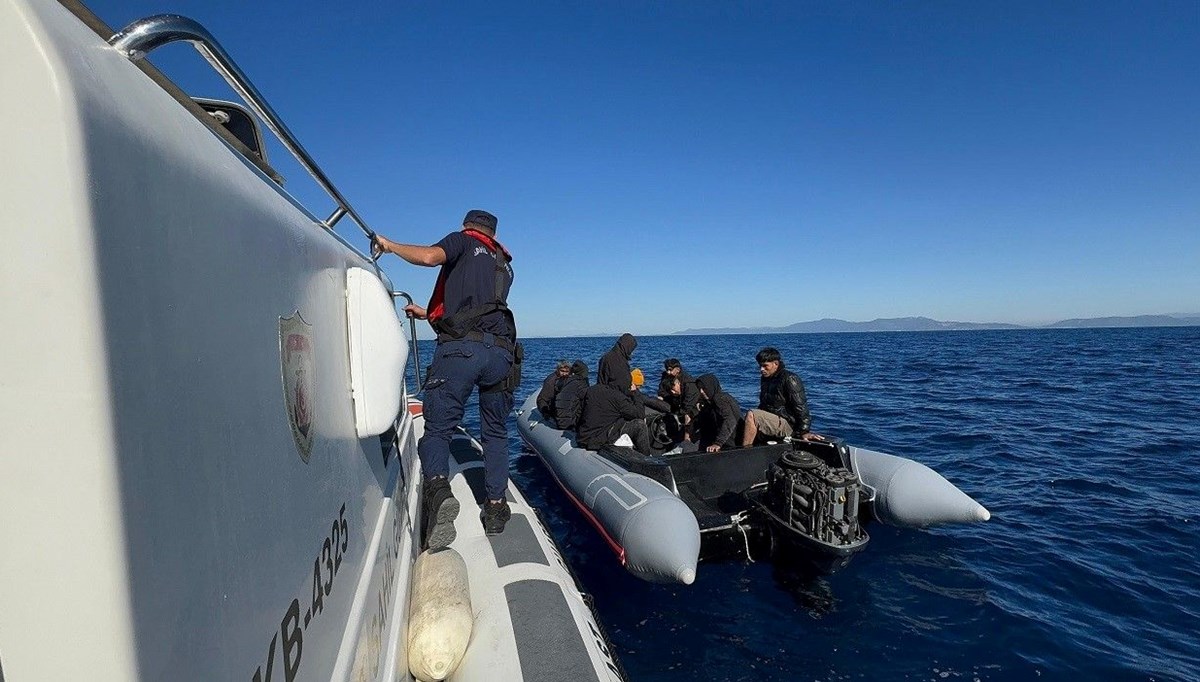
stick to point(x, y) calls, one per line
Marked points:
point(482, 218)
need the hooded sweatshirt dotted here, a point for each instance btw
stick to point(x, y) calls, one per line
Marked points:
point(691, 394)
point(568, 399)
point(718, 415)
point(688, 401)
point(545, 399)
point(614, 366)
point(606, 408)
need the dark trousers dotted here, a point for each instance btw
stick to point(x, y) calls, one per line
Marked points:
point(637, 432)
point(458, 367)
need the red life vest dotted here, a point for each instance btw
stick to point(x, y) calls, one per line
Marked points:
point(467, 317)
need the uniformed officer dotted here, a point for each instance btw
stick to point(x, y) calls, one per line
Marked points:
point(477, 347)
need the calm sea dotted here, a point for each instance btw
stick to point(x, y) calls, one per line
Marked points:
point(1084, 445)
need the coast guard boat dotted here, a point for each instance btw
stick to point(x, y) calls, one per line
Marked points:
point(208, 466)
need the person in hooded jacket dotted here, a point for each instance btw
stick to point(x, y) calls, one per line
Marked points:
point(685, 403)
point(545, 399)
point(782, 405)
point(568, 397)
point(610, 409)
point(614, 365)
point(716, 425)
point(673, 421)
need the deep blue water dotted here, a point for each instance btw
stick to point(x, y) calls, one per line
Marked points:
point(1083, 444)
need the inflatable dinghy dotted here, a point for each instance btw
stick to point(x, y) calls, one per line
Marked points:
point(804, 499)
point(653, 533)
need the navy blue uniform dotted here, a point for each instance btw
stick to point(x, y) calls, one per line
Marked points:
point(459, 366)
point(473, 281)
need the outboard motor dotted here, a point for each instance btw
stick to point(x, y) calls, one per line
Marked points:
point(815, 506)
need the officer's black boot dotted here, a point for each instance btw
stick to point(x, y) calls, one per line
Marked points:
point(494, 516)
point(438, 513)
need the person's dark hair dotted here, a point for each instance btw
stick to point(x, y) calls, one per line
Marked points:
point(768, 354)
point(667, 382)
point(671, 363)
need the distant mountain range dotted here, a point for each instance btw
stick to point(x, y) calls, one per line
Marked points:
point(925, 324)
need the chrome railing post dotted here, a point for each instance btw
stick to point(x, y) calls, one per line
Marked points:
point(412, 324)
point(334, 217)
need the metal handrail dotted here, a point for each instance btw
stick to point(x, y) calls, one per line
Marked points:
point(412, 324)
point(141, 37)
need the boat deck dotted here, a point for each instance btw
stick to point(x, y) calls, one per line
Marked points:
point(712, 484)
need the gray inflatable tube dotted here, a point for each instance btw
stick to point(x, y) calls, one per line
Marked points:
point(654, 534)
point(909, 494)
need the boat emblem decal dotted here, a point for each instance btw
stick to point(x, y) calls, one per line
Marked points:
point(296, 364)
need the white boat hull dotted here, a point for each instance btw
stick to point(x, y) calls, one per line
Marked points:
point(180, 499)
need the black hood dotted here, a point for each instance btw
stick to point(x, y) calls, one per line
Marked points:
point(579, 369)
point(709, 384)
point(614, 366)
point(626, 345)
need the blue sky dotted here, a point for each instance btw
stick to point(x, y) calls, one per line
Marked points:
point(659, 166)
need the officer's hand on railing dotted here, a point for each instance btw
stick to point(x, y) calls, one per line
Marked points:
point(413, 310)
point(379, 246)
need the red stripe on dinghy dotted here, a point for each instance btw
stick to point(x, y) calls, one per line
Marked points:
point(613, 544)
point(616, 547)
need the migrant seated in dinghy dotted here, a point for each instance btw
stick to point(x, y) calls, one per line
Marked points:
point(717, 422)
point(614, 364)
point(568, 397)
point(610, 410)
point(545, 398)
point(782, 410)
point(679, 390)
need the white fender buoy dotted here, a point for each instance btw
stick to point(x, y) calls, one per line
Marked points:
point(439, 615)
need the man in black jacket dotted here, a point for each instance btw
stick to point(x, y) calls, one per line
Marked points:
point(568, 397)
point(717, 422)
point(685, 403)
point(609, 410)
point(782, 406)
point(545, 399)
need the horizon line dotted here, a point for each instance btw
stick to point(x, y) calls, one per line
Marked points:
point(1188, 320)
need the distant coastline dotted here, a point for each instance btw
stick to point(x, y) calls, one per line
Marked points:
point(925, 324)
